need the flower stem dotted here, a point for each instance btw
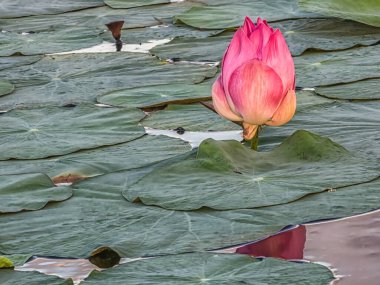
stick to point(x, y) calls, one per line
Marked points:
point(255, 140)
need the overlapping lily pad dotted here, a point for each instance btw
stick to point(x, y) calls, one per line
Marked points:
point(12, 277)
point(190, 117)
point(44, 132)
point(157, 95)
point(80, 165)
point(119, 4)
point(210, 49)
point(6, 87)
point(97, 216)
point(21, 8)
point(77, 78)
point(366, 11)
point(230, 14)
point(165, 30)
point(211, 268)
point(63, 39)
point(326, 34)
point(360, 90)
point(14, 61)
point(353, 125)
point(29, 192)
point(97, 17)
point(227, 175)
point(318, 69)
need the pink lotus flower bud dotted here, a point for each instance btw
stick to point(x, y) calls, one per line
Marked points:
point(256, 86)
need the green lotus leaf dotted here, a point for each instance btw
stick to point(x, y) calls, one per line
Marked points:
point(319, 69)
point(190, 117)
point(29, 192)
point(22, 8)
point(14, 61)
point(120, 4)
point(353, 125)
point(227, 175)
point(88, 163)
point(360, 90)
point(365, 11)
point(6, 87)
point(326, 34)
point(230, 14)
point(44, 132)
point(64, 39)
point(12, 277)
point(77, 78)
point(157, 95)
point(97, 17)
point(211, 268)
point(192, 49)
point(98, 217)
point(166, 30)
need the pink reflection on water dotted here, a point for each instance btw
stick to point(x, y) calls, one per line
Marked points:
point(287, 244)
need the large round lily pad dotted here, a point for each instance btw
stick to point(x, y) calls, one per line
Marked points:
point(44, 132)
point(21, 8)
point(211, 268)
point(189, 117)
point(229, 14)
point(63, 39)
point(76, 78)
point(156, 95)
point(29, 192)
point(318, 69)
point(365, 11)
point(6, 87)
point(87, 163)
point(227, 175)
point(359, 90)
point(97, 216)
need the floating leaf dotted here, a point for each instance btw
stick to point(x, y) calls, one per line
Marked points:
point(192, 49)
point(365, 11)
point(353, 125)
point(22, 8)
point(6, 87)
point(230, 14)
point(64, 39)
point(10, 261)
point(326, 34)
point(97, 217)
point(88, 163)
point(157, 95)
point(359, 90)
point(14, 61)
point(318, 69)
point(211, 268)
point(5, 262)
point(97, 17)
point(227, 175)
point(119, 4)
point(77, 78)
point(29, 192)
point(44, 132)
point(190, 117)
point(12, 277)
